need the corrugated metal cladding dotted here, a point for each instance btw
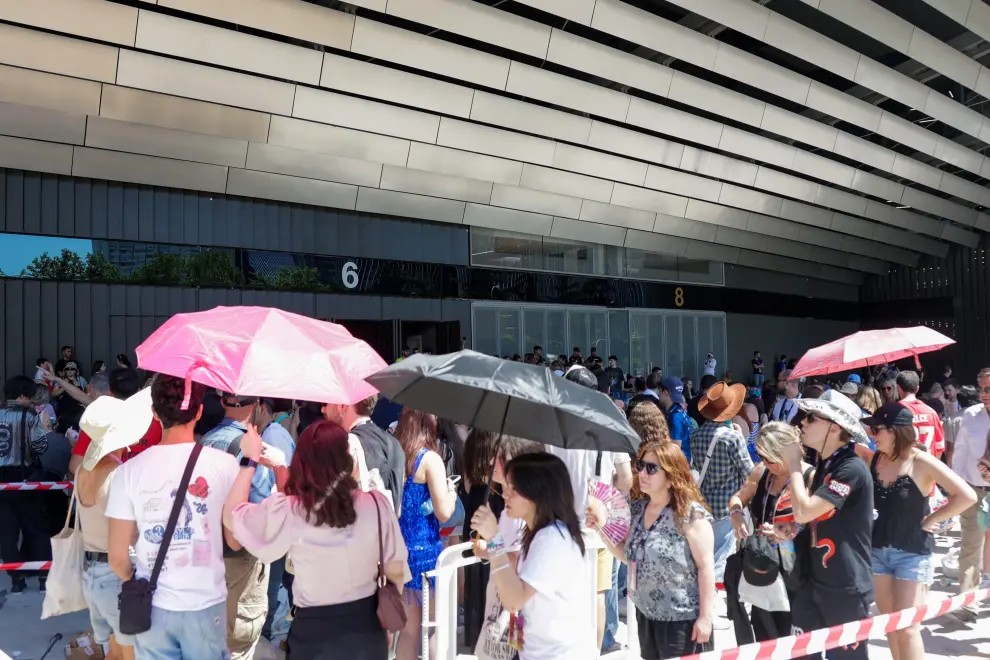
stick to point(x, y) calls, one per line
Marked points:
point(951, 295)
point(102, 320)
point(34, 203)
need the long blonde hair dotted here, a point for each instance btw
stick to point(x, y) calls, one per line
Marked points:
point(648, 421)
point(869, 399)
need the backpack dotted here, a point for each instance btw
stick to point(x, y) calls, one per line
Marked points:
point(383, 452)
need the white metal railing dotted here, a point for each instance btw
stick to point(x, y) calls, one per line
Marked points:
point(445, 598)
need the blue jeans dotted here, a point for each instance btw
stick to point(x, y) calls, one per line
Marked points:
point(758, 380)
point(901, 565)
point(199, 635)
point(725, 545)
point(612, 608)
point(275, 572)
point(101, 586)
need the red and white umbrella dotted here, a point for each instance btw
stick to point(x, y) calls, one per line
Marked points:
point(868, 348)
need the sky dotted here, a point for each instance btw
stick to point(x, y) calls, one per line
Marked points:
point(17, 250)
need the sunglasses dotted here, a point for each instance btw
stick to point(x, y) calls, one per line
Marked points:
point(888, 388)
point(876, 429)
point(809, 418)
point(985, 390)
point(650, 468)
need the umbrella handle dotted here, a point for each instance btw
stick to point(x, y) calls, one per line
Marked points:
point(187, 393)
point(917, 362)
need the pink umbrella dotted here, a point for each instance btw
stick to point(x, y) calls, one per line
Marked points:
point(869, 347)
point(260, 351)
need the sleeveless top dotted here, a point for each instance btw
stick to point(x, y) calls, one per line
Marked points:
point(421, 533)
point(900, 509)
point(763, 506)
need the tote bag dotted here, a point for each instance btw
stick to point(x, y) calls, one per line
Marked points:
point(493, 642)
point(64, 592)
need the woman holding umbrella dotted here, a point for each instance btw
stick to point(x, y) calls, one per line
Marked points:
point(543, 587)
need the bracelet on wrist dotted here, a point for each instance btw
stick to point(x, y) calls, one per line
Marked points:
point(496, 547)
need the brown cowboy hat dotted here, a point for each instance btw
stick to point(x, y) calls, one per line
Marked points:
point(722, 402)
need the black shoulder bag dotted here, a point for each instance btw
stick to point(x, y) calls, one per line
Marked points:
point(136, 594)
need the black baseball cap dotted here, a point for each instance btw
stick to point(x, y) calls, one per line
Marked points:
point(890, 414)
point(760, 561)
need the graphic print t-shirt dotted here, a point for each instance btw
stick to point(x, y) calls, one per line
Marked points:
point(144, 489)
point(840, 542)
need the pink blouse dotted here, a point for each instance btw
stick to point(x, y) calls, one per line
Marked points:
point(331, 565)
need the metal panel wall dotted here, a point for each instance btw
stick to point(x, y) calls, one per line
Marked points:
point(102, 320)
point(86, 208)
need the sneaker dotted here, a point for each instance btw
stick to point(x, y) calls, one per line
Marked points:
point(985, 582)
point(42, 582)
point(612, 649)
point(18, 586)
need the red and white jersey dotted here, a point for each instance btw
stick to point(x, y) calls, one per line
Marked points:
point(928, 427)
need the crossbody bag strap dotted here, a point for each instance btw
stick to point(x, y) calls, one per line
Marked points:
point(26, 459)
point(598, 465)
point(708, 459)
point(173, 518)
point(381, 543)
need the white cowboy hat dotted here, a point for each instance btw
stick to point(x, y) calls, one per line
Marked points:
point(112, 424)
point(838, 409)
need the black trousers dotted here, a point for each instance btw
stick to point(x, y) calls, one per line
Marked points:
point(348, 631)
point(812, 609)
point(25, 524)
point(668, 639)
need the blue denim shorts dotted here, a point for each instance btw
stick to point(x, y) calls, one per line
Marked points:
point(903, 565)
point(101, 587)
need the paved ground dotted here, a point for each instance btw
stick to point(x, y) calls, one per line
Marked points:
point(22, 630)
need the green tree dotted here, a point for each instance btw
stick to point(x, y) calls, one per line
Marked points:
point(66, 266)
point(211, 268)
point(262, 280)
point(161, 268)
point(99, 268)
point(300, 278)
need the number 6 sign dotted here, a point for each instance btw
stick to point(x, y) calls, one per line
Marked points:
point(349, 275)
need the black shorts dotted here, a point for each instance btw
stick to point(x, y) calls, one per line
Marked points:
point(348, 631)
point(812, 609)
point(668, 639)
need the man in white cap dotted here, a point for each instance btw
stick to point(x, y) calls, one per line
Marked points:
point(112, 425)
point(838, 513)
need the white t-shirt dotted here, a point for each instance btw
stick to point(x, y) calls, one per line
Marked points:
point(710, 366)
point(554, 618)
point(581, 466)
point(143, 490)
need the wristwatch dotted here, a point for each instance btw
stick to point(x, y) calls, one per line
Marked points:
point(247, 462)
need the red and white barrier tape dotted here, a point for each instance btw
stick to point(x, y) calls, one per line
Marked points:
point(26, 566)
point(824, 639)
point(37, 485)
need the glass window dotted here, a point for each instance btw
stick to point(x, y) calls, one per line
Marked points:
point(598, 325)
point(618, 337)
point(674, 362)
point(577, 331)
point(20, 252)
point(688, 348)
point(656, 341)
point(509, 332)
point(556, 334)
point(533, 329)
point(650, 265)
point(573, 257)
point(506, 249)
point(485, 331)
point(639, 336)
point(718, 347)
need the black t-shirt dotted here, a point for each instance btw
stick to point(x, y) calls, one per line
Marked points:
point(757, 366)
point(615, 377)
point(840, 542)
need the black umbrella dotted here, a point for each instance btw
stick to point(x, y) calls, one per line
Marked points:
point(523, 400)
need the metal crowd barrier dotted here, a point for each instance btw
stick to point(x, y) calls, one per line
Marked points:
point(445, 598)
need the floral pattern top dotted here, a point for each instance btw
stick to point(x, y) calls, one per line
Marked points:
point(666, 575)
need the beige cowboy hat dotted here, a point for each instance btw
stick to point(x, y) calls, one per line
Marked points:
point(113, 424)
point(722, 402)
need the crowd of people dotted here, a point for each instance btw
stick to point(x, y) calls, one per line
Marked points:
point(808, 500)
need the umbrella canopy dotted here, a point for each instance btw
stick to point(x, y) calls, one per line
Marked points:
point(500, 396)
point(260, 351)
point(867, 348)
